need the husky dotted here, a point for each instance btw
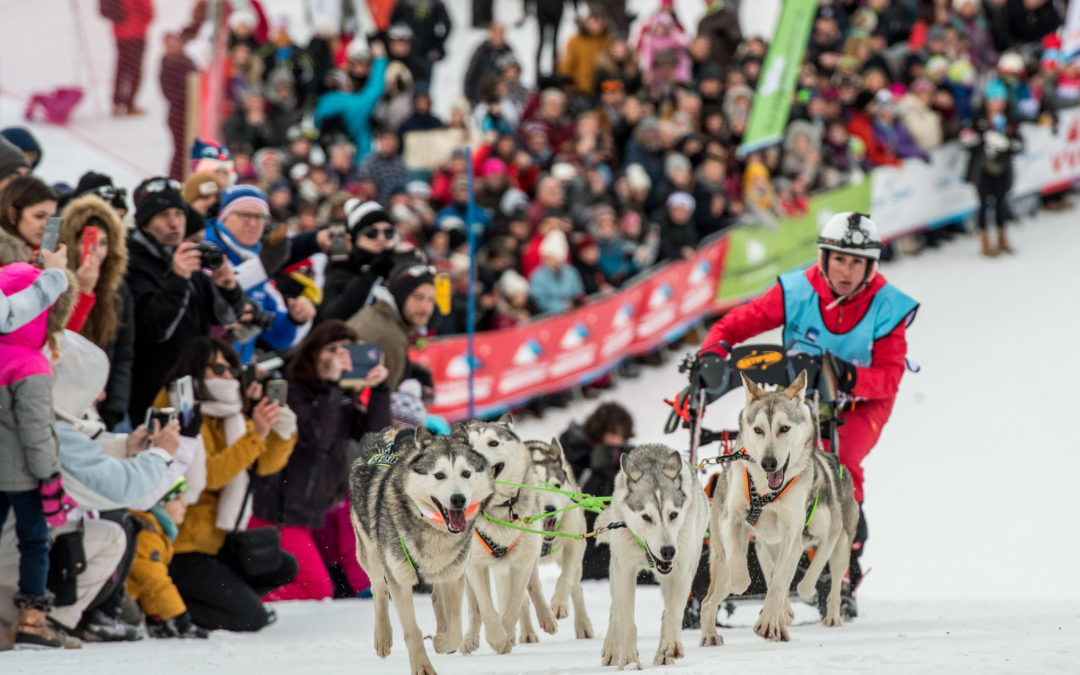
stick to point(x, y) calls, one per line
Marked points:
point(808, 501)
point(415, 498)
point(553, 469)
point(665, 512)
point(510, 554)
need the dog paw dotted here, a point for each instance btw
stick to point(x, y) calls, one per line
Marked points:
point(667, 653)
point(470, 644)
point(528, 638)
point(547, 621)
point(559, 608)
point(499, 640)
point(445, 643)
point(630, 659)
point(584, 630)
point(608, 655)
point(833, 621)
point(714, 640)
point(423, 668)
point(772, 627)
point(383, 640)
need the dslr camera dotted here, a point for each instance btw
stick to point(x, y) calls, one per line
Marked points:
point(212, 257)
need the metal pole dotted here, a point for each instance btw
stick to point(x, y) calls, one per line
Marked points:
point(470, 321)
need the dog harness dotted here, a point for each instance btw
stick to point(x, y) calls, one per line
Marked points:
point(509, 504)
point(408, 559)
point(494, 549)
point(758, 502)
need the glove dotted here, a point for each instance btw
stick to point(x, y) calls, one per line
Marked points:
point(55, 503)
point(193, 427)
point(845, 372)
point(176, 627)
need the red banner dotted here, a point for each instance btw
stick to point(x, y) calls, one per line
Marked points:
point(552, 354)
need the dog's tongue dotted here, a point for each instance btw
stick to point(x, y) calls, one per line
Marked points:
point(456, 519)
point(776, 479)
point(549, 523)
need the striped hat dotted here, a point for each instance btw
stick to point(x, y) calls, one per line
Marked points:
point(360, 214)
point(240, 197)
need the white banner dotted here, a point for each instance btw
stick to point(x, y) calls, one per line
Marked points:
point(1070, 39)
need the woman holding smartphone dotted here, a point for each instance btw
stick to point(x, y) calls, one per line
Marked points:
point(298, 499)
point(216, 590)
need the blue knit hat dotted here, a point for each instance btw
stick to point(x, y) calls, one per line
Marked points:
point(21, 138)
point(242, 196)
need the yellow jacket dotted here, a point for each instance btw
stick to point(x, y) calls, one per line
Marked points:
point(148, 582)
point(199, 534)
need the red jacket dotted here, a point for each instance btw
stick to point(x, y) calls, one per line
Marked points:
point(137, 17)
point(862, 126)
point(880, 380)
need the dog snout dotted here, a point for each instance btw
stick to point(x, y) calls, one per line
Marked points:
point(548, 508)
point(769, 464)
point(458, 501)
point(667, 553)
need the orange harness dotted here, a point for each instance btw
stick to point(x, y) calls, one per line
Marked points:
point(758, 502)
point(494, 549)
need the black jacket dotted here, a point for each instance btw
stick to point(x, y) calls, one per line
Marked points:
point(121, 353)
point(349, 283)
point(169, 313)
point(317, 474)
point(484, 62)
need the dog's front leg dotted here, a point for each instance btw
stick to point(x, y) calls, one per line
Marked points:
point(572, 567)
point(808, 584)
point(560, 599)
point(623, 588)
point(772, 623)
point(718, 582)
point(516, 579)
point(735, 536)
point(609, 653)
point(544, 614)
point(675, 589)
point(414, 639)
point(384, 633)
point(494, 632)
point(447, 598)
point(528, 633)
point(471, 641)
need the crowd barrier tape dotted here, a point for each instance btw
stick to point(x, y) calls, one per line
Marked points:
point(554, 353)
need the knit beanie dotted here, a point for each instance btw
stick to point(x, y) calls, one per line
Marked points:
point(154, 195)
point(202, 184)
point(555, 245)
point(11, 158)
point(22, 139)
point(405, 279)
point(359, 215)
point(239, 197)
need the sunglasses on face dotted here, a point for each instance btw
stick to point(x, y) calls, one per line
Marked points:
point(220, 369)
point(372, 232)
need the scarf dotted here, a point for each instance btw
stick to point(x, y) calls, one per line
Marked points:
point(226, 404)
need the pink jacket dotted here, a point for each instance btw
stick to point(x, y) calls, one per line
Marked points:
point(20, 350)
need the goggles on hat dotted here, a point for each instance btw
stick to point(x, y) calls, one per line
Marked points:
point(109, 192)
point(418, 271)
point(207, 188)
point(160, 185)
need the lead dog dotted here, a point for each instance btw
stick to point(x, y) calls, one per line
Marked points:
point(808, 502)
point(511, 555)
point(553, 470)
point(665, 512)
point(414, 502)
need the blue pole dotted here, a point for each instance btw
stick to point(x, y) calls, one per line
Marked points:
point(470, 320)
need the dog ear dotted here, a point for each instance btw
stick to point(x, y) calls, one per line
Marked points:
point(423, 437)
point(795, 391)
point(753, 391)
point(555, 449)
point(631, 471)
point(460, 433)
point(673, 465)
point(507, 419)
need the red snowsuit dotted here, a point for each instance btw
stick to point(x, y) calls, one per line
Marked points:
point(877, 383)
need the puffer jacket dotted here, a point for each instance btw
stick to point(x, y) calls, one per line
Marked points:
point(148, 582)
point(381, 323)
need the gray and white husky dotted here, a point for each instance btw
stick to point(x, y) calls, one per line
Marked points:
point(665, 512)
point(553, 469)
point(415, 499)
point(789, 496)
point(510, 554)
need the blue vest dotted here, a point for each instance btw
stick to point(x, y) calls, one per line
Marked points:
point(803, 322)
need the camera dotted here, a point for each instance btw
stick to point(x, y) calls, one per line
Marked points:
point(212, 257)
point(260, 317)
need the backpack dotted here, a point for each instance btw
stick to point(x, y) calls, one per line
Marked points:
point(113, 10)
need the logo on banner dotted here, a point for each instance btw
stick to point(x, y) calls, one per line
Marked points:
point(459, 366)
point(528, 352)
point(700, 272)
point(660, 295)
point(622, 316)
point(575, 337)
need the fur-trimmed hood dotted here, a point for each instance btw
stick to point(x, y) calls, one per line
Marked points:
point(78, 213)
point(13, 248)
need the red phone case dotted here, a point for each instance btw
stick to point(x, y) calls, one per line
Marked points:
point(89, 242)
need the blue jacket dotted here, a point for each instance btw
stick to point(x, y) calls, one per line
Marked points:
point(555, 292)
point(120, 481)
point(355, 108)
point(282, 333)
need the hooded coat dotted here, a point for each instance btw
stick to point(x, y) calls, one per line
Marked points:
point(381, 323)
point(111, 322)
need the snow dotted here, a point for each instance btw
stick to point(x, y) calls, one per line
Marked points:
point(972, 563)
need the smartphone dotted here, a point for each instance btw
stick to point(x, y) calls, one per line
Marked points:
point(338, 250)
point(183, 398)
point(364, 357)
point(162, 415)
point(52, 235)
point(276, 391)
point(247, 376)
point(89, 243)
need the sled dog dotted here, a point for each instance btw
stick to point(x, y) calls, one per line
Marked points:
point(790, 497)
point(553, 469)
point(510, 554)
point(665, 512)
point(415, 498)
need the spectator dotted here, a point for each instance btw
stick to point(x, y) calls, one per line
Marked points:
point(802, 151)
point(861, 126)
point(431, 26)
point(891, 132)
point(994, 141)
point(664, 44)
point(174, 300)
point(555, 286)
point(396, 104)
point(587, 263)
point(173, 78)
point(13, 163)
point(216, 590)
point(102, 186)
point(250, 124)
point(384, 165)
point(485, 64)
point(512, 304)
point(678, 234)
point(548, 15)
point(352, 109)
point(421, 118)
point(399, 312)
point(131, 21)
point(720, 26)
point(284, 59)
point(1030, 20)
point(579, 59)
point(297, 499)
point(919, 117)
point(21, 138)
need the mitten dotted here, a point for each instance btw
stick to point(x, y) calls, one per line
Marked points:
point(845, 372)
point(55, 503)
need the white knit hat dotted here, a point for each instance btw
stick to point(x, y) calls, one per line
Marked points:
point(555, 245)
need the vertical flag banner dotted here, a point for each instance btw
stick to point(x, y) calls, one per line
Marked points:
point(1070, 39)
point(776, 84)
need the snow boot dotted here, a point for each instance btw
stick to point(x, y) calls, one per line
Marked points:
point(1003, 243)
point(99, 626)
point(986, 248)
point(176, 627)
point(31, 631)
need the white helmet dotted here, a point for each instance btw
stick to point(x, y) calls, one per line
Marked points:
point(852, 233)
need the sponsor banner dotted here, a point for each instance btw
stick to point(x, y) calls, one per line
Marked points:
point(757, 254)
point(1050, 158)
point(552, 354)
point(1070, 38)
point(918, 194)
point(772, 100)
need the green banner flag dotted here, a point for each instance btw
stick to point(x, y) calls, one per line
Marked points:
point(757, 254)
point(776, 84)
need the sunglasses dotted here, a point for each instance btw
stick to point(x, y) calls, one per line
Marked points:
point(372, 232)
point(220, 369)
point(160, 184)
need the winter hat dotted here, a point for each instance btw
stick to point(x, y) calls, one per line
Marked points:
point(638, 177)
point(674, 162)
point(491, 166)
point(202, 184)
point(359, 215)
point(242, 196)
point(511, 283)
point(101, 185)
point(79, 375)
point(418, 188)
point(514, 203)
point(154, 195)
point(583, 242)
point(555, 245)
point(11, 158)
point(406, 278)
point(599, 210)
point(406, 410)
point(683, 199)
point(863, 99)
point(209, 155)
point(400, 31)
point(21, 138)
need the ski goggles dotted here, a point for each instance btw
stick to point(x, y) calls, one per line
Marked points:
point(110, 193)
point(161, 184)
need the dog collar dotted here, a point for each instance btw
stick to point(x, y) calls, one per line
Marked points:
point(757, 501)
point(436, 517)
